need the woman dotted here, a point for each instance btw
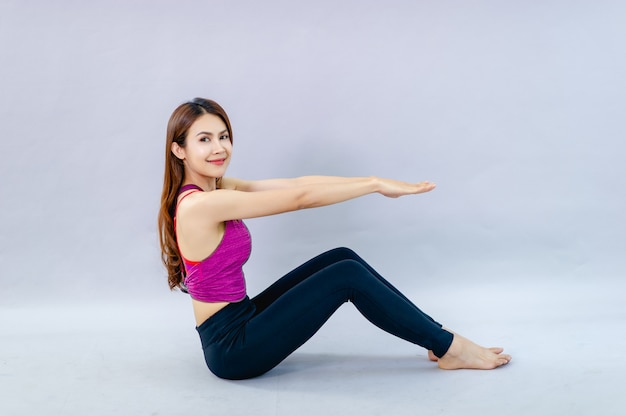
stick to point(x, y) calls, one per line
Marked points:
point(205, 244)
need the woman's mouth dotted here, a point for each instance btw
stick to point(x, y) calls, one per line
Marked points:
point(218, 162)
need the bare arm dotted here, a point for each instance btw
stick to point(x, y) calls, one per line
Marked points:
point(281, 183)
point(285, 195)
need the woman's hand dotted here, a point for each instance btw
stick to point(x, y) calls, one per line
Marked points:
point(394, 189)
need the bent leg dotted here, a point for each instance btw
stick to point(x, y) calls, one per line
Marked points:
point(291, 319)
point(298, 275)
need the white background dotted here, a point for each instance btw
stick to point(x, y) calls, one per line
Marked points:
point(515, 109)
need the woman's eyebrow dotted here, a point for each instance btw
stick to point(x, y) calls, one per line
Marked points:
point(211, 134)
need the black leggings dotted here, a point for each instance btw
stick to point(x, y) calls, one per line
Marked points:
point(248, 338)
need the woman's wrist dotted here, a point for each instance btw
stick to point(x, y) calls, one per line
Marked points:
point(376, 183)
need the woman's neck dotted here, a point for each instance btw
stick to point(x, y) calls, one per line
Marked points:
point(207, 184)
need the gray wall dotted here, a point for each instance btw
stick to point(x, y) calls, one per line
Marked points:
point(515, 109)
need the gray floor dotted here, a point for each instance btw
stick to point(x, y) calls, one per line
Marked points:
point(144, 358)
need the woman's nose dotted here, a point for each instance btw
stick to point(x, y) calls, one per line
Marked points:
point(218, 147)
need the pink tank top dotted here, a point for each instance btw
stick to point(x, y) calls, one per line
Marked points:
point(219, 277)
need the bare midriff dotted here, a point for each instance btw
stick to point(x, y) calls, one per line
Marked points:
point(204, 310)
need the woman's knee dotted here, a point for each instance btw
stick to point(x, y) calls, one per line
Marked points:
point(345, 253)
point(351, 269)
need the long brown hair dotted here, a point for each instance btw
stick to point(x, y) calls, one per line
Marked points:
point(180, 121)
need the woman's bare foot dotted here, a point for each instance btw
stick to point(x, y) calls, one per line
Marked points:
point(463, 353)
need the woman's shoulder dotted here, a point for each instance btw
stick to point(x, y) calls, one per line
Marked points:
point(191, 207)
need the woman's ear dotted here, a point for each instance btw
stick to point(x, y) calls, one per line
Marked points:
point(178, 151)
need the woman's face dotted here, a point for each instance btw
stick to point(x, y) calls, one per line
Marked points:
point(207, 150)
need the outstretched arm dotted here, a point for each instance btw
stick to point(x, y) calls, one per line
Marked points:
point(285, 195)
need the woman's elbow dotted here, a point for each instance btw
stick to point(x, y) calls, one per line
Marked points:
point(306, 200)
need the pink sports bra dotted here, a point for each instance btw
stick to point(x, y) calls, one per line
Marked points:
point(219, 277)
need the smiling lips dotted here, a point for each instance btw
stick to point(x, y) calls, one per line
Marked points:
point(217, 161)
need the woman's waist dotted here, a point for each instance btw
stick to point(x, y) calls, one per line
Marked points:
point(226, 322)
point(204, 310)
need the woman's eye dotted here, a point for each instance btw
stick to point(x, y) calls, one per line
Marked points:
point(204, 139)
point(224, 137)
